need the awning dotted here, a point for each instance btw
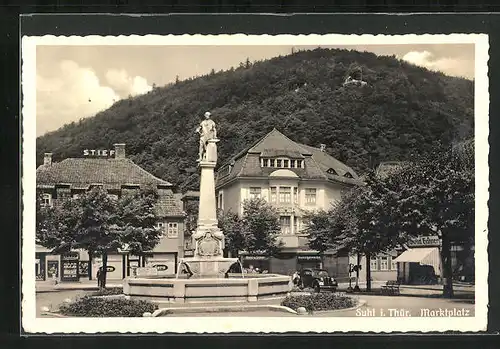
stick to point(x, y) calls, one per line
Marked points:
point(422, 255)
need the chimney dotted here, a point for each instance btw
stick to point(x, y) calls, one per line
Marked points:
point(322, 147)
point(47, 159)
point(119, 151)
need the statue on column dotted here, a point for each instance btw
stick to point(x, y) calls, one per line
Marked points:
point(207, 131)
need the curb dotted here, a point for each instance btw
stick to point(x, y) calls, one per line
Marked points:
point(219, 309)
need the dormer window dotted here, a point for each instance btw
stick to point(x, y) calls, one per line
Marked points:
point(281, 163)
point(332, 172)
point(348, 175)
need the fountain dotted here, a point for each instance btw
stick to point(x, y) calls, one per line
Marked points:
point(205, 276)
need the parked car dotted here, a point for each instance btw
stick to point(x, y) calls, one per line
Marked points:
point(318, 279)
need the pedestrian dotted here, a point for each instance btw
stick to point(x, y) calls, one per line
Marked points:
point(99, 277)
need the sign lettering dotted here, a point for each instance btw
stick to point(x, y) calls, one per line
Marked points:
point(425, 241)
point(99, 152)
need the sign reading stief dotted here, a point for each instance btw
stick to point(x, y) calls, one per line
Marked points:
point(99, 152)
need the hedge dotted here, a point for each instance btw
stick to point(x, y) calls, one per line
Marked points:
point(108, 291)
point(319, 301)
point(90, 306)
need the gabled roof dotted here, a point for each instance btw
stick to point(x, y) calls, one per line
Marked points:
point(83, 172)
point(277, 142)
point(326, 162)
point(317, 163)
point(169, 205)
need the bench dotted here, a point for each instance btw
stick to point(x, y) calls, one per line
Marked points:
point(391, 288)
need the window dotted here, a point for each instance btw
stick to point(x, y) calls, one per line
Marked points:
point(394, 265)
point(296, 195)
point(173, 230)
point(285, 225)
point(219, 201)
point(292, 163)
point(271, 162)
point(285, 195)
point(384, 263)
point(299, 163)
point(255, 192)
point(273, 195)
point(296, 225)
point(311, 196)
point(373, 263)
point(278, 162)
point(46, 199)
point(286, 163)
point(265, 162)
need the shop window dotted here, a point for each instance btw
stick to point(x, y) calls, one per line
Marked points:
point(285, 225)
point(394, 265)
point(255, 192)
point(173, 230)
point(273, 195)
point(311, 196)
point(285, 195)
point(384, 263)
point(373, 263)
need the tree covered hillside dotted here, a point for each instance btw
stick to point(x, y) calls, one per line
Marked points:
point(402, 111)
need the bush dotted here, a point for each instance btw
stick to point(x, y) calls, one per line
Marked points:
point(103, 307)
point(108, 291)
point(319, 301)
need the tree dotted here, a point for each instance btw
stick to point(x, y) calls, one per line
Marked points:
point(100, 224)
point(432, 196)
point(261, 226)
point(255, 232)
point(234, 234)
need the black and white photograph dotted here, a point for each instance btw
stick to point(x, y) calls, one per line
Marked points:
point(247, 183)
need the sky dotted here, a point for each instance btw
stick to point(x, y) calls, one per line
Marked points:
point(75, 82)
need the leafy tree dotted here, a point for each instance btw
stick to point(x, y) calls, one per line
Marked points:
point(100, 224)
point(256, 231)
point(261, 226)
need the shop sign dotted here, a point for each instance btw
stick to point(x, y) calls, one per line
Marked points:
point(256, 258)
point(99, 152)
point(425, 241)
point(70, 256)
point(309, 258)
point(70, 270)
point(160, 267)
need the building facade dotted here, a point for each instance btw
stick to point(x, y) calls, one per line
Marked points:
point(111, 169)
point(294, 178)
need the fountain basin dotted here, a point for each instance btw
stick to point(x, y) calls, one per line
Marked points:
point(250, 288)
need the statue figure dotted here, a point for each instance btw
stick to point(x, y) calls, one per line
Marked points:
point(207, 132)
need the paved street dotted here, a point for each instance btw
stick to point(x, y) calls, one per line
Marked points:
point(375, 304)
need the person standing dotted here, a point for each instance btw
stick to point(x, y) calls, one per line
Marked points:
point(99, 277)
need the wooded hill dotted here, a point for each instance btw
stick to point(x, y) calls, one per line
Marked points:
point(401, 112)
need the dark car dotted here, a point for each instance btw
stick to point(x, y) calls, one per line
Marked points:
point(318, 279)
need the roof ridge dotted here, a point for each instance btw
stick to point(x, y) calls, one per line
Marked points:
point(147, 173)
